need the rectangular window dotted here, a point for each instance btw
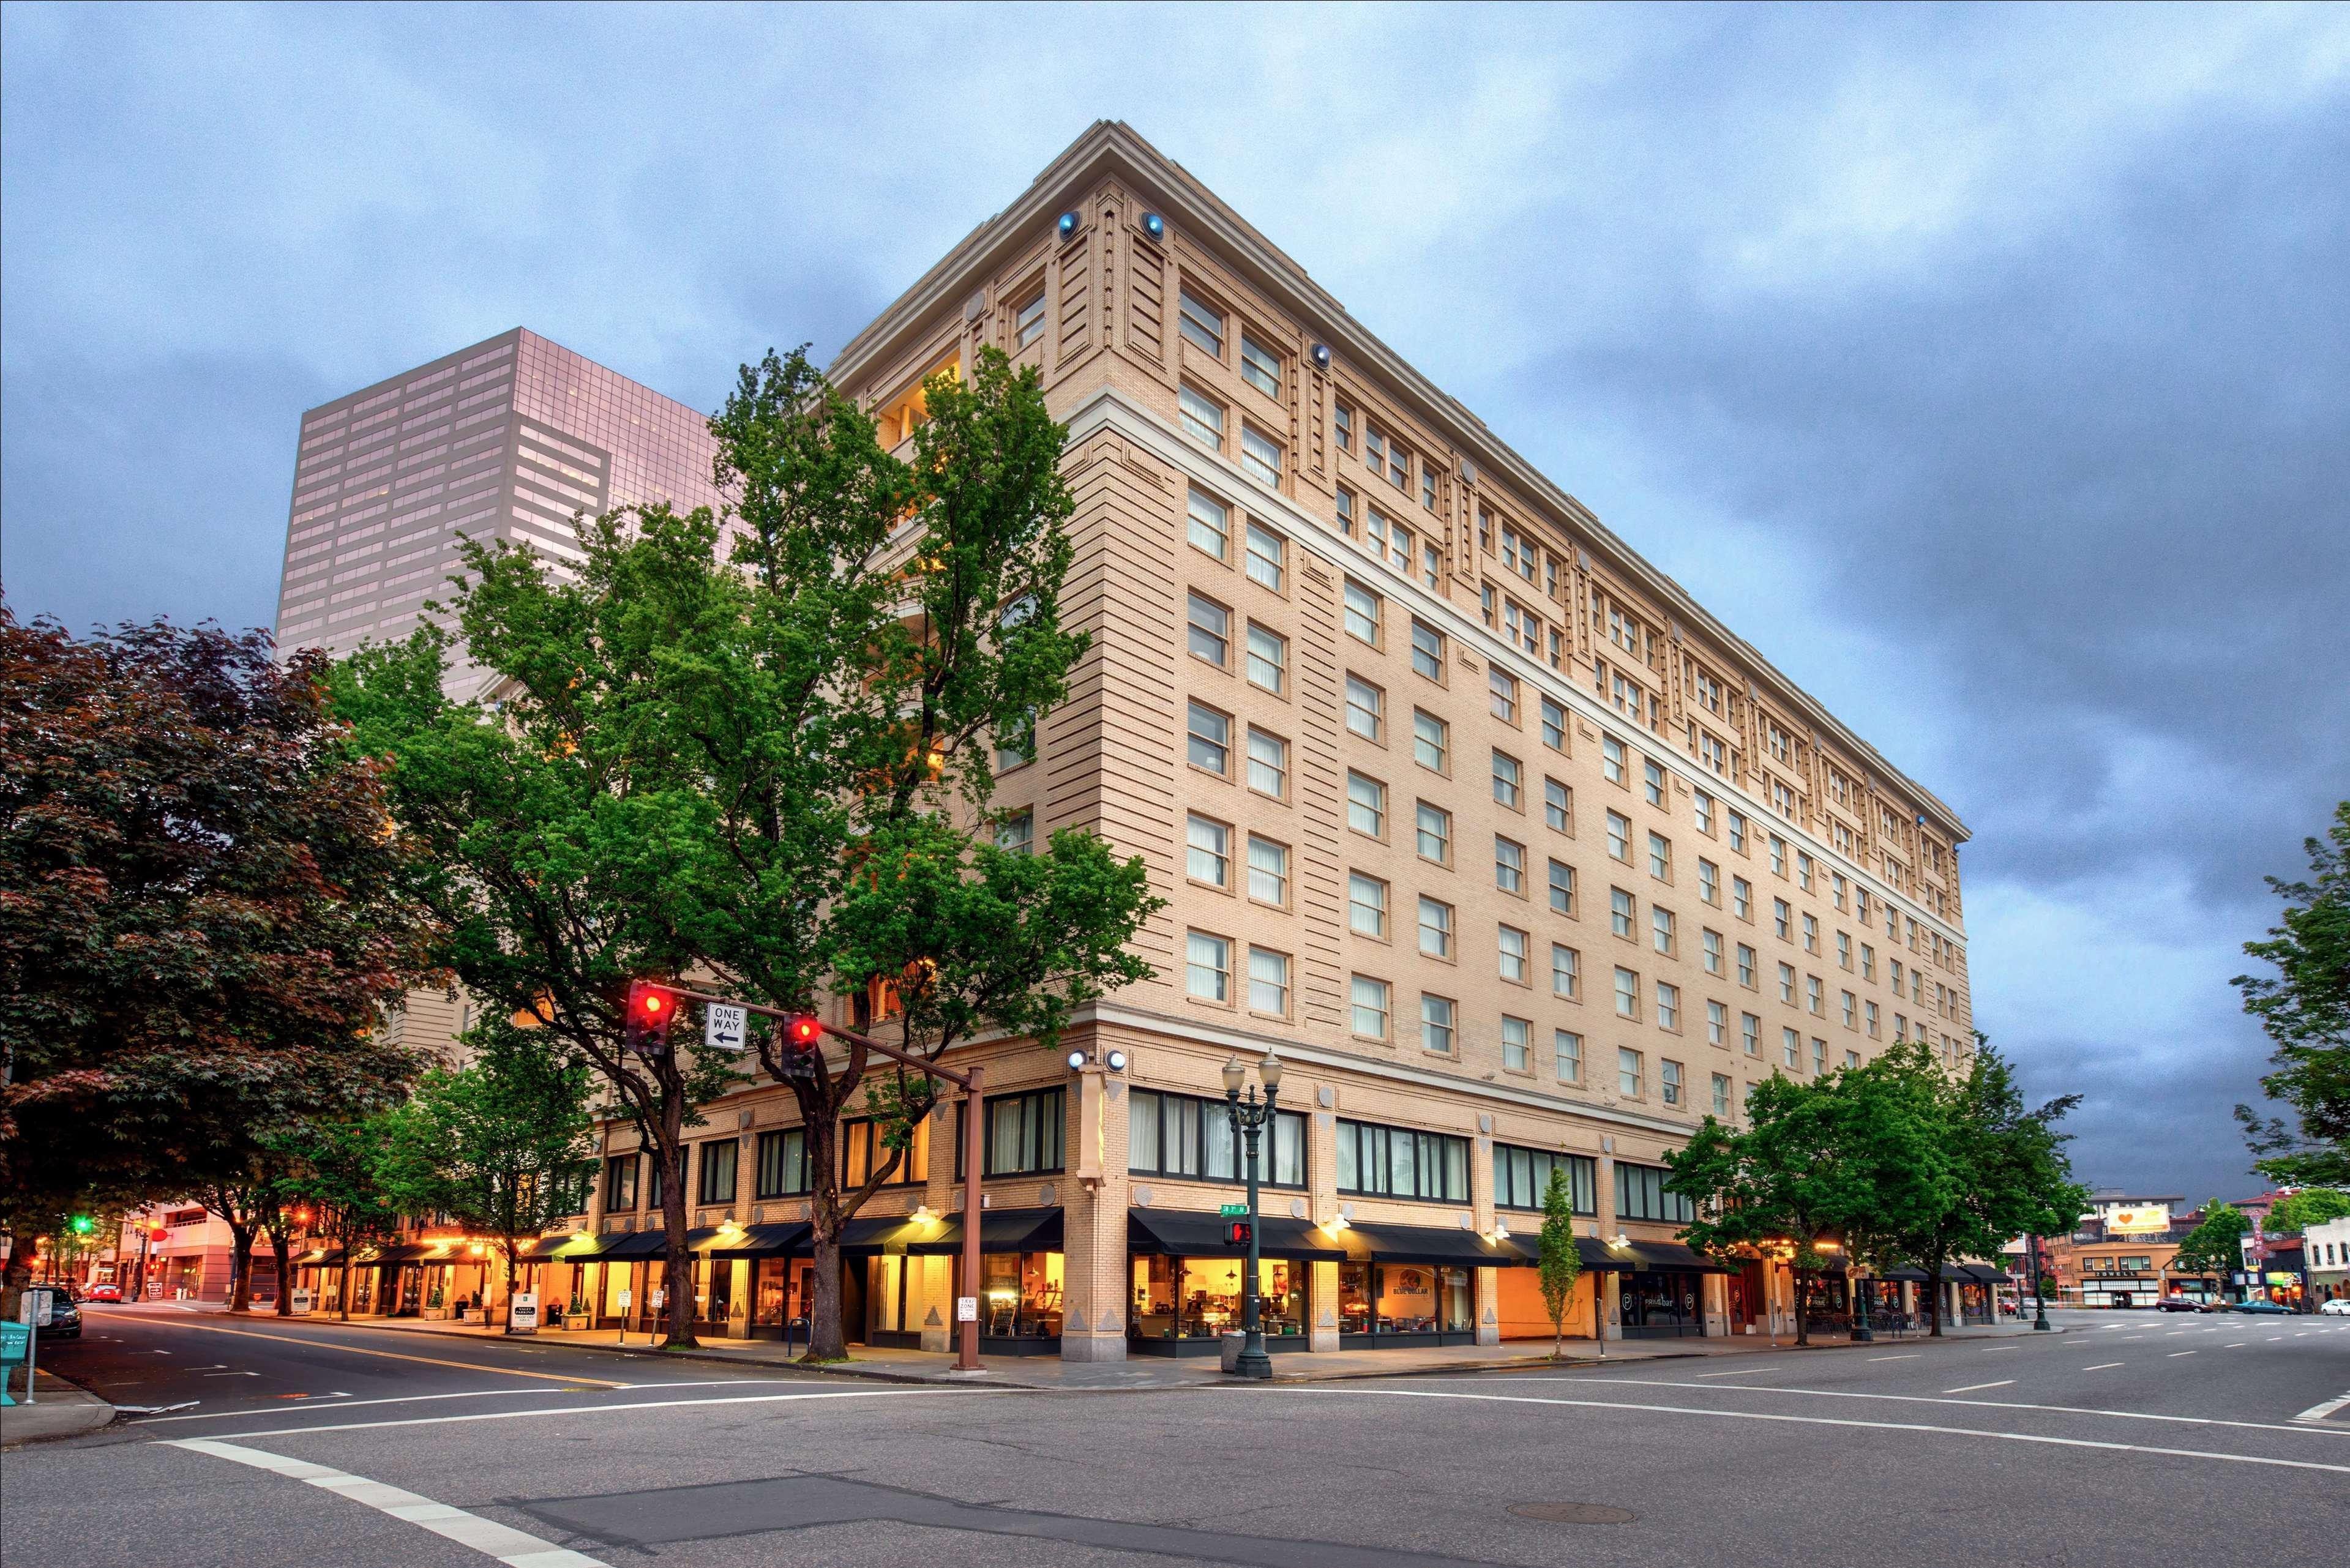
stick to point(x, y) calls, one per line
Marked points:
point(1843, 949)
point(1207, 851)
point(1367, 806)
point(1345, 506)
point(1819, 1058)
point(1710, 944)
point(620, 1183)
point(1851, 1010)
point(1749, 1033)
point(1208, 967)
point(1434, 829)
point(1640, 1195)
point(1522, 1178)
point(1427, 652)
point(1778, 856)
point(1260, 367)
point(1431, 736)
point(1779, 921)
point(1815, 995)
point(1268, 871)
point(1268, 558)
point(863, 1151)
point(1668, 1082)
point(1554, 724)
point(1017, 834)
point(1669, 1007)
point(1203, 421)
point(1741, 898)
point(1504, 688)
point(1652, 783)
point(1260, 457)
point(1208, 629)
point(1558, 807)
point(1201, 322)
point(1717, 1024)
point(1565, 972)
point(1023, 1132)
point(1367, 905)
point(1704, 812)
point(1210, 739)
point(1870, 1014)
point(1660, 858)
point(1513, 947)
point(1627, 994)
point(1428, 486)
point(1342, 426)
point(1370, 1007)
point(1787, 983)
point(1268, 763)
point(1509, 865)
point(1660, 930)
point(1505, 780)
point(1028, 323)
point(1720, 1097)
point(1619, 837)
point(1377, 1161)
point(1517, 1047)
point(1709, 882)
point(1790, 1049)
point(1621, 907)
point(1187, 1138)
point(1738, 832)
point(1435, 926)
point(1567, 1047)
point(784, 1170)
point(1810, 933)
point(1210, 524)
point(1363, 612)
point(1436, 1023)
point(1561, 888)
point(1268, 981)
point(1804, 869)
point(1628, 1073)
point(1611, 759)
point(1367, 708)
point(1268, 660)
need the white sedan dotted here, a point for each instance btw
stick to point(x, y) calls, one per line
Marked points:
point(2338, 1307)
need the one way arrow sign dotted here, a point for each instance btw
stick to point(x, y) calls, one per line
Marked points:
point(722, 1027)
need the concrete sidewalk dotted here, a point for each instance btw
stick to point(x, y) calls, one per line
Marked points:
point(61, 1410)
point(1138, 1371)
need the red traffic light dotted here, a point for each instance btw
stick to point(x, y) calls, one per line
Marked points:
point(651, 1008)
point(803, 1032)
point(1238, 1233)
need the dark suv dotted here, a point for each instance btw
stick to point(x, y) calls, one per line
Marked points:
point(65, 1317)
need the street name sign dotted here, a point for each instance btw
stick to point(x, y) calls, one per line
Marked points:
point(722, 1027)
point(1232, 1210)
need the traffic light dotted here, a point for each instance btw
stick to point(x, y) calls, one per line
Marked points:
point(650, 1010)
point(1237, 1233)
point(81, 1224)
point(803, 1039)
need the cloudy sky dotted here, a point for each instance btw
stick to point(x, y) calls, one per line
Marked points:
point(1987, 368)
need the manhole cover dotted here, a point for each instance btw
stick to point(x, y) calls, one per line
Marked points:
point(1573, 1512)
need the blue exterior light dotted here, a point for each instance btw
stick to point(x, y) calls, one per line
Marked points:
point(1069, 224)
point(1154, 226)
point(1321, 356)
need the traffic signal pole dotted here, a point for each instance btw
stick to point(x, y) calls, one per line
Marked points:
point(974, 1123)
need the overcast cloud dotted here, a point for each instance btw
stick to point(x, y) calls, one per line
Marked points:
point(1987, 367)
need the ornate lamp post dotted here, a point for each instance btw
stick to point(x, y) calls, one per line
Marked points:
point(1250, 1118)
point(2039, 1296)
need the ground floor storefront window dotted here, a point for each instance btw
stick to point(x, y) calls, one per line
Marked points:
point(1662, 1303)
point(1827, 1301)
point(1199, 1298)
point(780, 1289)
point(1020, 1295)
point(1398, 1302)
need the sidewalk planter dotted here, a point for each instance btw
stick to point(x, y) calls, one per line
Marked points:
point(579, 1320)
point(433, 1314)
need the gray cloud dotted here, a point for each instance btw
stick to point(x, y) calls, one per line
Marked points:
point(1986, 367)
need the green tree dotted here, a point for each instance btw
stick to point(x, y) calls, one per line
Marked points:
point(1900, 1122)
point(337, 1178)
point(2215, 1246)
point(198, 907)
point(1787, 1181)
point(1560, 1261)
point(2310, 1206)
point(502, 1144)
point(2304, 1008)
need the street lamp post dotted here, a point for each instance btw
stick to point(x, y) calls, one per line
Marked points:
point(2038, 1295)
point(1250, 1117)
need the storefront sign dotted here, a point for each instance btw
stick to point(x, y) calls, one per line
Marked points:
point(2136, 1219)
point(523, 1314)
point(966, 1309)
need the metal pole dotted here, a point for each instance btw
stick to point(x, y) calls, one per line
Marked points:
point(1254, 1362)
point(2039, 1296)
point(974, 1121)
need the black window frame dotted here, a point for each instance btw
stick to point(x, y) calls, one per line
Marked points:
point(1424, 1142)
point(876, 1152)
point(774, 1153)
point(1671, 1209)
point(1031, 1134)
point(619, 1178)
point(718, 1156)
point(1583, 1177)
point(1217, 1113)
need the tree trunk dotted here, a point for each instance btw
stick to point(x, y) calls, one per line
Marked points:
point(343, 1298)
point(1934, 1302)
point(677, 1310)
point(510, 1284)
point(826, 1341)
point(282, 1249)
point(14, 1275)
point(240, 1267)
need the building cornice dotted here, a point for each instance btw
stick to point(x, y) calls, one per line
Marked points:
point(1111, 148)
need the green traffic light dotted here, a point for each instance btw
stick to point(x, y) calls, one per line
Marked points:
point(81, 1224)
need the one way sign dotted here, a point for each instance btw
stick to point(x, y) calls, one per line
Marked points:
point(722, 1027)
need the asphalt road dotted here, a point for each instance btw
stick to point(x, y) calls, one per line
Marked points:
point(354, 1447)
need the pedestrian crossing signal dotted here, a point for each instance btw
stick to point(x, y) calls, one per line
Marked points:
point(651, 1008)
point(1238, 1232)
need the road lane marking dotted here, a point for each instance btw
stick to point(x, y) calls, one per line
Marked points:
point(1971, 1387)
point(394, 1355)
point(2233, 1344)
point(1329, 1393)
point(2176, 1353)
point(468, 1394)
point(2320, 1412)
point(2102, 1367)
point(594, 1410)
point(1919, 1400)
point(1747, 1373)
point(1911, 1356)
point(486, 1536)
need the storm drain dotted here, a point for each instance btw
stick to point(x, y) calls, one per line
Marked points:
point(1573, 1512)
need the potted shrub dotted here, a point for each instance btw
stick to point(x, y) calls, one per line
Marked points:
point(434, 1310)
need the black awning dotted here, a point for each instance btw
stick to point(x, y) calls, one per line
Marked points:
point(1980, 1274)
point(634, 1244)
point(1671, 1255)
point(1000, 1230)
point(402, 1254)
point(317, 1258)
point(1598, 1257)
point(1386, 1243)
point(775, 1239)
point(1191, 1233)
point(567, 1246)
point(1907, 1273)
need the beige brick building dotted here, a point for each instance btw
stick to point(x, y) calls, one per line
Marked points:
point(1516, 855)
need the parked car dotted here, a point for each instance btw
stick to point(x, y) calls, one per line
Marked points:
point(65, 1317)
point(2264, 1309)
point(2178, 1304)
point(2338, 1307)
point(104, 1293)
